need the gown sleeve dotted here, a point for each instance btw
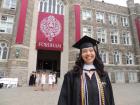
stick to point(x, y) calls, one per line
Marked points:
point(66, 91)
point(110, 91)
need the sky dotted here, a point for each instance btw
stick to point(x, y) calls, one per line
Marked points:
point(119, 2)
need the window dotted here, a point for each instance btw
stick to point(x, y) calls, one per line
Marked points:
point(112, 19)
point(132, 76)
point(86, 14)
point(104, 56)
point(3, 50)
point(117, 57)
point(88, 31)
point(129, 58)
point(114, 37)
point(124, 21)
point(51, 6)
point(126, 38)
point(6, 24)
point(100, 17)
point(9, 4)
point(119, 77)
point(2, 74)
point(101, 35)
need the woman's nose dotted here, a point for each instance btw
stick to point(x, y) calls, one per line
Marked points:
point(88, 52)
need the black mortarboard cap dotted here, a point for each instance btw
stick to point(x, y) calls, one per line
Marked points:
point(85, 42)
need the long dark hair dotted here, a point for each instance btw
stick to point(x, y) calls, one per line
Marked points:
point(79, 63)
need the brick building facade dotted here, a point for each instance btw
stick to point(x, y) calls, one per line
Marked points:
point(113, 25)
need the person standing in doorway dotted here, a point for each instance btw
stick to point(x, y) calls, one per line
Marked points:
point(43, 80)
point(87, 83)
point(51, 80)
point(32, 79)
point(38, 80)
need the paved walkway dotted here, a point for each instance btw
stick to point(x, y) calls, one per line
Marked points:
point(125, 94)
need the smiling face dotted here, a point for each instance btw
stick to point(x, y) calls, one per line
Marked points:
point(88, 55)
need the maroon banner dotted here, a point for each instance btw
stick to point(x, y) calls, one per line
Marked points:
point(50, 32)
point(77, 22)
point(21, 21)
point(137, 22)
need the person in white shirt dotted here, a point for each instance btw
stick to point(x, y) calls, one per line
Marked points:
point(43, 80)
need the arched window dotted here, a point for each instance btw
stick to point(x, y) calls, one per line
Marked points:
point(51, 6)
point(41, 6)
point(3, 50)
point(54, 6)
point(45, 6)
point(117, 57)
point(61, 7)
point(129, 58)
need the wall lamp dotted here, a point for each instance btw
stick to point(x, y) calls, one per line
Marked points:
point(17, 53)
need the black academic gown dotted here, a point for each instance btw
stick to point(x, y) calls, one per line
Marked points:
point(32, 80)
point(70, 92)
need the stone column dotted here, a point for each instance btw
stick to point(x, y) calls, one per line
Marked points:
point(32, 51)
point(134, 11)
point(18, 56)
point(65, 53)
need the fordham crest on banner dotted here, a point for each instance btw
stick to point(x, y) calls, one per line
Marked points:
point(50, 31)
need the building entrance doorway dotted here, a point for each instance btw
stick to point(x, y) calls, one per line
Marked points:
point(48, 61)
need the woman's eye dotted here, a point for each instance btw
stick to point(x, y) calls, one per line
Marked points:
point(84, 51)
point(91, 50)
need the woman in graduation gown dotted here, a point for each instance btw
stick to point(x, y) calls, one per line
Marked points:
point(87, 83)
